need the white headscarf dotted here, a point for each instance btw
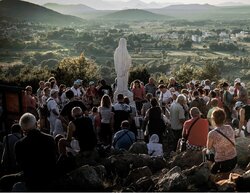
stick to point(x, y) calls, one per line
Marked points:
point(154, 139)
point(122, 58)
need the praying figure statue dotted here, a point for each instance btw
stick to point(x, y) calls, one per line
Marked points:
point(122, 61)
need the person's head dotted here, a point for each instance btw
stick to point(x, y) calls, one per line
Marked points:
point(103, 82)
point(196, 94)
point(94, 110)
point(238, 105)
point(62, 87)
point(212, 94)
point(225, 85)
point(126, 100)
point(47, 84)
point(16, 128)
point(52, 79)
point(125, 124)
point(120, 97)
point(154, 102)
point(46, 91)
point(162, 87)
point(41, 84)
point(218, 117)
point(237, 85)
point(137, 84)
point(161, 81)
point(184, 91)
point(181, 99)
point(27, 122)
point(105, 101)
point(77, 83)
point(195, 112)
point(28, 90)
point(54, 93)
point(149, 96)
point(172, 80)
point(92, 84)
point(76, 112)
point(151, 80)
point(69, 94)
point(154, 138)
point(214, 102)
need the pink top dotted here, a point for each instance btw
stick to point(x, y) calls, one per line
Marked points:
point(139, 93)
point(224, 150)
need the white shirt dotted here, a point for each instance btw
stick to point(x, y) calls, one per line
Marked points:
point(77, 92)
point(164, 97)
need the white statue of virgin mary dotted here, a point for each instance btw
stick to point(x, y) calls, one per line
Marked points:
point(122, 61)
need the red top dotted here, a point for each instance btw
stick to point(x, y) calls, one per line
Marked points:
point(199, 132)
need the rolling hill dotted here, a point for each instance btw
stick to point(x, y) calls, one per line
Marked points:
point(30, 12)
point(134, 15)
point(69, 9)
point(204, 12)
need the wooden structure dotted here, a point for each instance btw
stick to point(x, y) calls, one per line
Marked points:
point(11, 105)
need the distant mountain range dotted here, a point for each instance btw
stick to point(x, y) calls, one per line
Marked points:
point(135, 15)
point(69, 9)
point(49, 14)
point(26, 11)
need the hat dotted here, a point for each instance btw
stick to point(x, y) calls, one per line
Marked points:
point(91, 83)
point(237, 80)
point(238, 104)
point(53, 91)
point(78, 81)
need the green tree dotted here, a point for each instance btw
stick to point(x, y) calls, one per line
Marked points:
point(185, 73)
point(70, 69)
point(140, 73)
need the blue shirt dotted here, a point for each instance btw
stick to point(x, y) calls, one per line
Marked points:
point(123, 139)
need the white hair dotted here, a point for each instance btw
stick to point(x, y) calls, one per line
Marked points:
point(27, 121)
point(181, 99)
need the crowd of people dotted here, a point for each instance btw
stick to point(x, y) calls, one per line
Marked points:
point(59, 120)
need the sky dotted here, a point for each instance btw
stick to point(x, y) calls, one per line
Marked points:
point(214, 2)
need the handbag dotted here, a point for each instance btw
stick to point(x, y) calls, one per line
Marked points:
point(183, 141)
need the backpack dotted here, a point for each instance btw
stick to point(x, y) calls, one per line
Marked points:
point(228, 98)
point(44, 109)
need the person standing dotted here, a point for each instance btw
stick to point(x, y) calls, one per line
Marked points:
point(8, 161)
point(53, 109)
point(36, 155)
point(177, 117)
point(150, 87)
point(106, 114)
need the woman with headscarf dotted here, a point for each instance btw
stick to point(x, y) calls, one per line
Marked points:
point(154, 147)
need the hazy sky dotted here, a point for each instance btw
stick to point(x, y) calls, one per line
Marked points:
point(161, 1)
point(191, 1)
